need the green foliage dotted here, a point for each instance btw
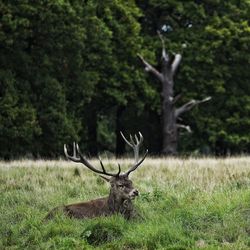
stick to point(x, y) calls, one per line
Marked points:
point(55, 124)
point(38, 41)
point(65, 57)
point(215, 63)
point(102, 232)
point(68, 68)
point(18, 121)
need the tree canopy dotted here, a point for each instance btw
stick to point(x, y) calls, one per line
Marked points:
point(70, 72)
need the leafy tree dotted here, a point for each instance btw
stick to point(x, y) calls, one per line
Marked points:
point(215, 36)
point(42, 48)
point(18, 123)
point(229, 32)
point(69, 71)
point(113, 40)
point(56, 126)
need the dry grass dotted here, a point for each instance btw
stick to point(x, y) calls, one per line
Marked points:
point(186, 203)
point(206, 173)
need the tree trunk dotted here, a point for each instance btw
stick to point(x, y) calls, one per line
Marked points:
point(170, 114)
point(169, 127)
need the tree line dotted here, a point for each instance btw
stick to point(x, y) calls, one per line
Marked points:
point(70, 72)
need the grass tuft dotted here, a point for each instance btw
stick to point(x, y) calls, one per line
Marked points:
point(102, 232)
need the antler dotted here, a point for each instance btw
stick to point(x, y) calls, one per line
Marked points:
point(134, 167)
point(84, 161)
point(135, 143)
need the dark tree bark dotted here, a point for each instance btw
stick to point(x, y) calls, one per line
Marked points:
point(120, 144)
point(170, 113)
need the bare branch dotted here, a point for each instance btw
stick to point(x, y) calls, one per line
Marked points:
point(176, 98)
point(150, 68)
point(184, 127)
point(164, 53)
point(176, 63)
point(162, 40)
point(189, 105)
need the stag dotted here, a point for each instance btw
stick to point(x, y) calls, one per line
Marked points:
point(122, 191)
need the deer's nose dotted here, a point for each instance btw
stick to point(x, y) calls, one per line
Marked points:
point(135, 192)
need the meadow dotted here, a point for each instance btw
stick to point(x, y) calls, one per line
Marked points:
point(183, 204)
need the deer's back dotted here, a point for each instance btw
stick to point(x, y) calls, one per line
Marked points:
point(90, 209)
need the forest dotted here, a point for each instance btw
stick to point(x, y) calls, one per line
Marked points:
point(70, 71)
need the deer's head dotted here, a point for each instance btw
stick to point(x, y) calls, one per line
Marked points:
point(121, 187)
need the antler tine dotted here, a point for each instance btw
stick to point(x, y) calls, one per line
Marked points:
point(132, 140)
point(74, 157)
point(84, 161)
point(100, 160)
point(134, 167)
point(135, 144)
point(75, 148)
point(119, 171)
point(141, 138)
point(65, 151)
point(124, 138)
point(136, 139)
point(104, 170)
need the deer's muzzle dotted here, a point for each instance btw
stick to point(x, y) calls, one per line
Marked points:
point(133, 193)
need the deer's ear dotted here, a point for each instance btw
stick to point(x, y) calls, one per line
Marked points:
point(105, 178)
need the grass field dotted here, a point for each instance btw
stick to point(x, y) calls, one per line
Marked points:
point(184, 204)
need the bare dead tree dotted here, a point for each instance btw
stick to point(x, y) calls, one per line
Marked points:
point(121, 193)
point(170, 114)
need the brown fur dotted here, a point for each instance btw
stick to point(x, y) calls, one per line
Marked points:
point(119, 201)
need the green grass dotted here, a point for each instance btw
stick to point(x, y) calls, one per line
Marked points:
point(184, 204)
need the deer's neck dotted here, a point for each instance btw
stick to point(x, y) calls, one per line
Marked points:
point(119, 205)
point(114, 202)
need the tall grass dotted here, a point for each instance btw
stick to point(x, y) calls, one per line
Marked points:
point(184, 204)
